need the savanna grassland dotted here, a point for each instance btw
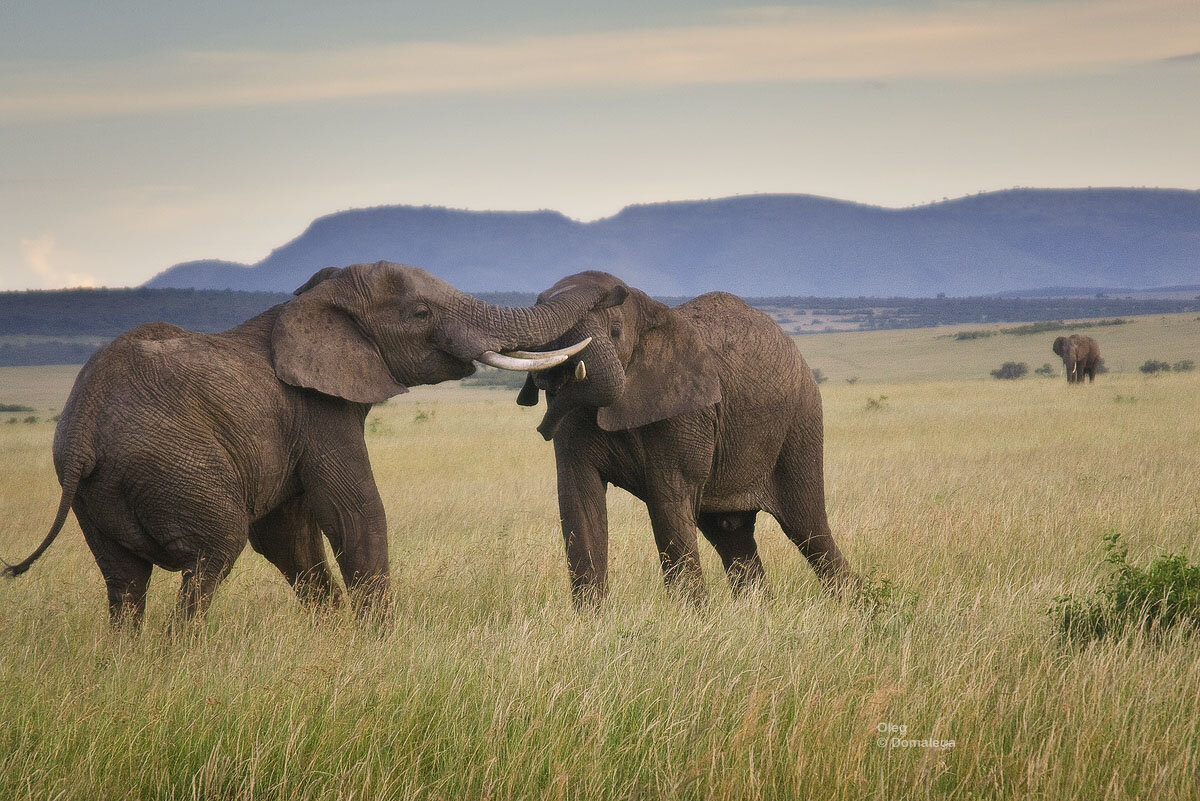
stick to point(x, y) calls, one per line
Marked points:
point(979, 500)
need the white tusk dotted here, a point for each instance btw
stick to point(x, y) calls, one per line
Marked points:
point(525, 361)
point(580, 371)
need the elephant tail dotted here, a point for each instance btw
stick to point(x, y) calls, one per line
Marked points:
point(70, 484)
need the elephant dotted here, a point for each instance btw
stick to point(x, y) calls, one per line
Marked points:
point(1080, 355)
point(705, 411)
point(174, 448)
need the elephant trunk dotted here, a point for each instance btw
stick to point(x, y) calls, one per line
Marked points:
point(506, 328)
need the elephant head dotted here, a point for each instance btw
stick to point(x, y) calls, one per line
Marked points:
point(369, 331)
point(1065, 347)
point(645, 363)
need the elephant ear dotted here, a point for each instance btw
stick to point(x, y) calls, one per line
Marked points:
point(1057, 347)
point(324, 274)
point(528, 396)
point(318, 344)
point(671, 373)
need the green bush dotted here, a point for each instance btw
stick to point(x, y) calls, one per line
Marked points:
point(1151, 366)
point(1045, 370)
point(1185, 366)
point(1010, 370)
point(978, 334)
point(14, 407)
point(818, 376)
point(1152, 599)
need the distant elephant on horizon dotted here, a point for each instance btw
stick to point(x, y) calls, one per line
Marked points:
point(175, 448)
point(1080, 355)
point(705, 411)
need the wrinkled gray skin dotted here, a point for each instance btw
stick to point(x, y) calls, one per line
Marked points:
point(1080, 355)
point(175, 447)
point(707, 412)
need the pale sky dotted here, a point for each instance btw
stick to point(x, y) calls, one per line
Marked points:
point(137, 135)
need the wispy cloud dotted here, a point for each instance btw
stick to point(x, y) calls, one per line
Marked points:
point(37, 255)
point(958, 41)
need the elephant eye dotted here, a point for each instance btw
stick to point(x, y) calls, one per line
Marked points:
point(422, 312)
point(615, 332)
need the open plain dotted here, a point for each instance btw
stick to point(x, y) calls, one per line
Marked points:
point(978, 500)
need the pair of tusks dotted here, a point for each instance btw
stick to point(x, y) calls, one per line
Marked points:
point(525, 361)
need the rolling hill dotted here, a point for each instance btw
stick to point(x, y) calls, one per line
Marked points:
point(765, 245)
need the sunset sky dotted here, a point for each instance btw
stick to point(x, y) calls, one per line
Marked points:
point(137, 135)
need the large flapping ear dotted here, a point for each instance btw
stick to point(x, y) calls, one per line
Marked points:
point(1057, 347)
point(528, 396)
point(317, 343)
point(671, 372)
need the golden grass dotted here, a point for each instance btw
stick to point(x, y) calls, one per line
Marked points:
point(932, 354)
point(981, 500)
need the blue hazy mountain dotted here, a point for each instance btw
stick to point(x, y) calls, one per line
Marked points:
point(765, 245)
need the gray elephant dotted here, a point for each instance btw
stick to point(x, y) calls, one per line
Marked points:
point(1080, 355)
point(175, 447)
point(707, 412)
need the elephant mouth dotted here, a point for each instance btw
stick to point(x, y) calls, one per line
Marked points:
point(557, 408)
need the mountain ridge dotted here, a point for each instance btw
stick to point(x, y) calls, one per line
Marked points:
point(763, 245)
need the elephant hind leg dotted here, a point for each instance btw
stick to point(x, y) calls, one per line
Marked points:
point(291, 539)
point(126, 575)
point(201, 535)
point(732, 536)
point(798, 503)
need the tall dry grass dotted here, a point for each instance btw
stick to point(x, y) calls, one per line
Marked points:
point(981, 501)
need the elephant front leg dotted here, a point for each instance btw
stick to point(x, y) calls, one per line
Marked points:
point(583, 510)
point(674, 524)
point(345, 502)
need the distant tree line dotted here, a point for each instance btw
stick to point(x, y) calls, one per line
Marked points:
point(1039, 328)
point(62, 318)
point(888, 313)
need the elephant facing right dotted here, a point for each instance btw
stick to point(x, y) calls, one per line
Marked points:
point(1080, 355)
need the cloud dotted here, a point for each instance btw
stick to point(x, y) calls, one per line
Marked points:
point(36, 254)
point(778, 45)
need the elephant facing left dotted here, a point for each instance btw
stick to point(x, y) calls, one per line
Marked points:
point(175, 448)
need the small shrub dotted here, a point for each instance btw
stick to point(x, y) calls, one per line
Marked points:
point(14, 407)
point(1101, 367)
point(962, 335)
point(1184, 366)
point(852, 380)
point(1035, 328)
point(1046, 369)
point(875, 594)
point(377, 427)
point(30, 419)
point(818, 376)
point(1011, 370)
point(874, 404)
point(424, 415)
point(1152, 599)
point(1152, 366)
point(12, 420)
